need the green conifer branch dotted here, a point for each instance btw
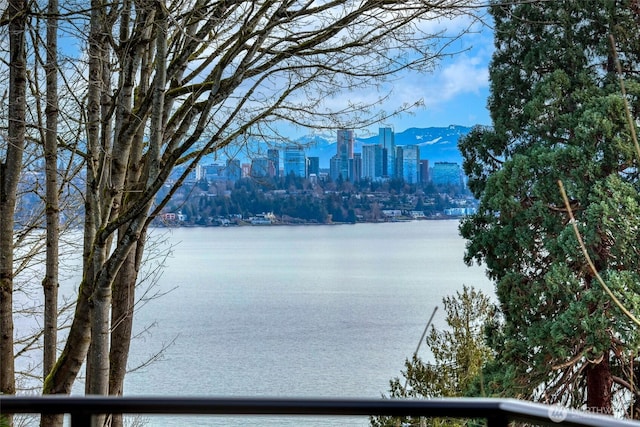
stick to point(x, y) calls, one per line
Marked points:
point(630, 121)
point(592, 266)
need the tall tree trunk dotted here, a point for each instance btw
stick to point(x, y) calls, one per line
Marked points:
point(62, 376)
point(51, 280)
point(124, 288)
point(96, 245)
point(599, 383)
point(10, 171)
point(122, 322)
point(98, 358)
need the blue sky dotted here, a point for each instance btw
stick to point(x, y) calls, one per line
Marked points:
point(456, 92)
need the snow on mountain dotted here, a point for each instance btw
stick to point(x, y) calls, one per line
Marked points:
point(437, 144)
point(433, 141)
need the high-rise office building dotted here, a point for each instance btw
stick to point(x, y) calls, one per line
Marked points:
point(372, 161)
point(334, 168)
point(313, 166)
point(355, 167)
point(213, 172)
point(344, 153)
point(346, 141)
point(409, 163)
point(274, 162)
point(233, 170)
point(425, 176)
point(246, 170)
point(260, 167)
point(295, 161)
point(345, 145)
point(386, 139)
point(446, 173)
point(194, 175)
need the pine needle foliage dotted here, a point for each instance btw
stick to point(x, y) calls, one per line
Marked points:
point(559, 115)
point(458, 354)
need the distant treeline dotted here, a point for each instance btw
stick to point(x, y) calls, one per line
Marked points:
point(294, 199)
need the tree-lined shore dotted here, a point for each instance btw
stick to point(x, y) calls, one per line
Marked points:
point(297, 200)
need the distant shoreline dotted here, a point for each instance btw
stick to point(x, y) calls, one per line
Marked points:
point(297, 223)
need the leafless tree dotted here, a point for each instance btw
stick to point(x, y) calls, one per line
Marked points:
point(160, 84)
point(10, 169)
point(51, 280)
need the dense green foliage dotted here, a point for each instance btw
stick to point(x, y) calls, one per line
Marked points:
point(458, 354)
point(559, 115)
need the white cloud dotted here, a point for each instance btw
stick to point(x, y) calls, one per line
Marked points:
point(465, 75)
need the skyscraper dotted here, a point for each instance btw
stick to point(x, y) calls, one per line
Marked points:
point(345, 151)
point(425, 176)
point(213, 172)
point(372, 161)
point(260, 167)
point(355, 167)
point(295, 161)
point(386, 139)
point(314, 166)
point(344, 147)
point(446, 173)
point(274, 162)
point(409, 163)
point(233, 171)
point(346, 141)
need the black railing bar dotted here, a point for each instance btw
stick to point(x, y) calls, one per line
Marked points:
point(249, 406)
point(82, 420)
point(486, 408)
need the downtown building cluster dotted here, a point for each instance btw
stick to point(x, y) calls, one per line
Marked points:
point(377, 162)
point(381, 161)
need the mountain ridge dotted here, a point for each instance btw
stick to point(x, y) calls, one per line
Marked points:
point(437, 144)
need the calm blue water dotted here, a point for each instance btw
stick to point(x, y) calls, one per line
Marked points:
point(313, 311)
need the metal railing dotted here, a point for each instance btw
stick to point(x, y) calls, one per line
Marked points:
point(497, 412)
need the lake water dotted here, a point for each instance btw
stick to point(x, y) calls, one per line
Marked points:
point(302, 311)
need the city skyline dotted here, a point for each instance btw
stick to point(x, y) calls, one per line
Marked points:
point(378, 161)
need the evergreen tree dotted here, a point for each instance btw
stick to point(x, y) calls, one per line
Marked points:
point(459, 352)
point(559, 115)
